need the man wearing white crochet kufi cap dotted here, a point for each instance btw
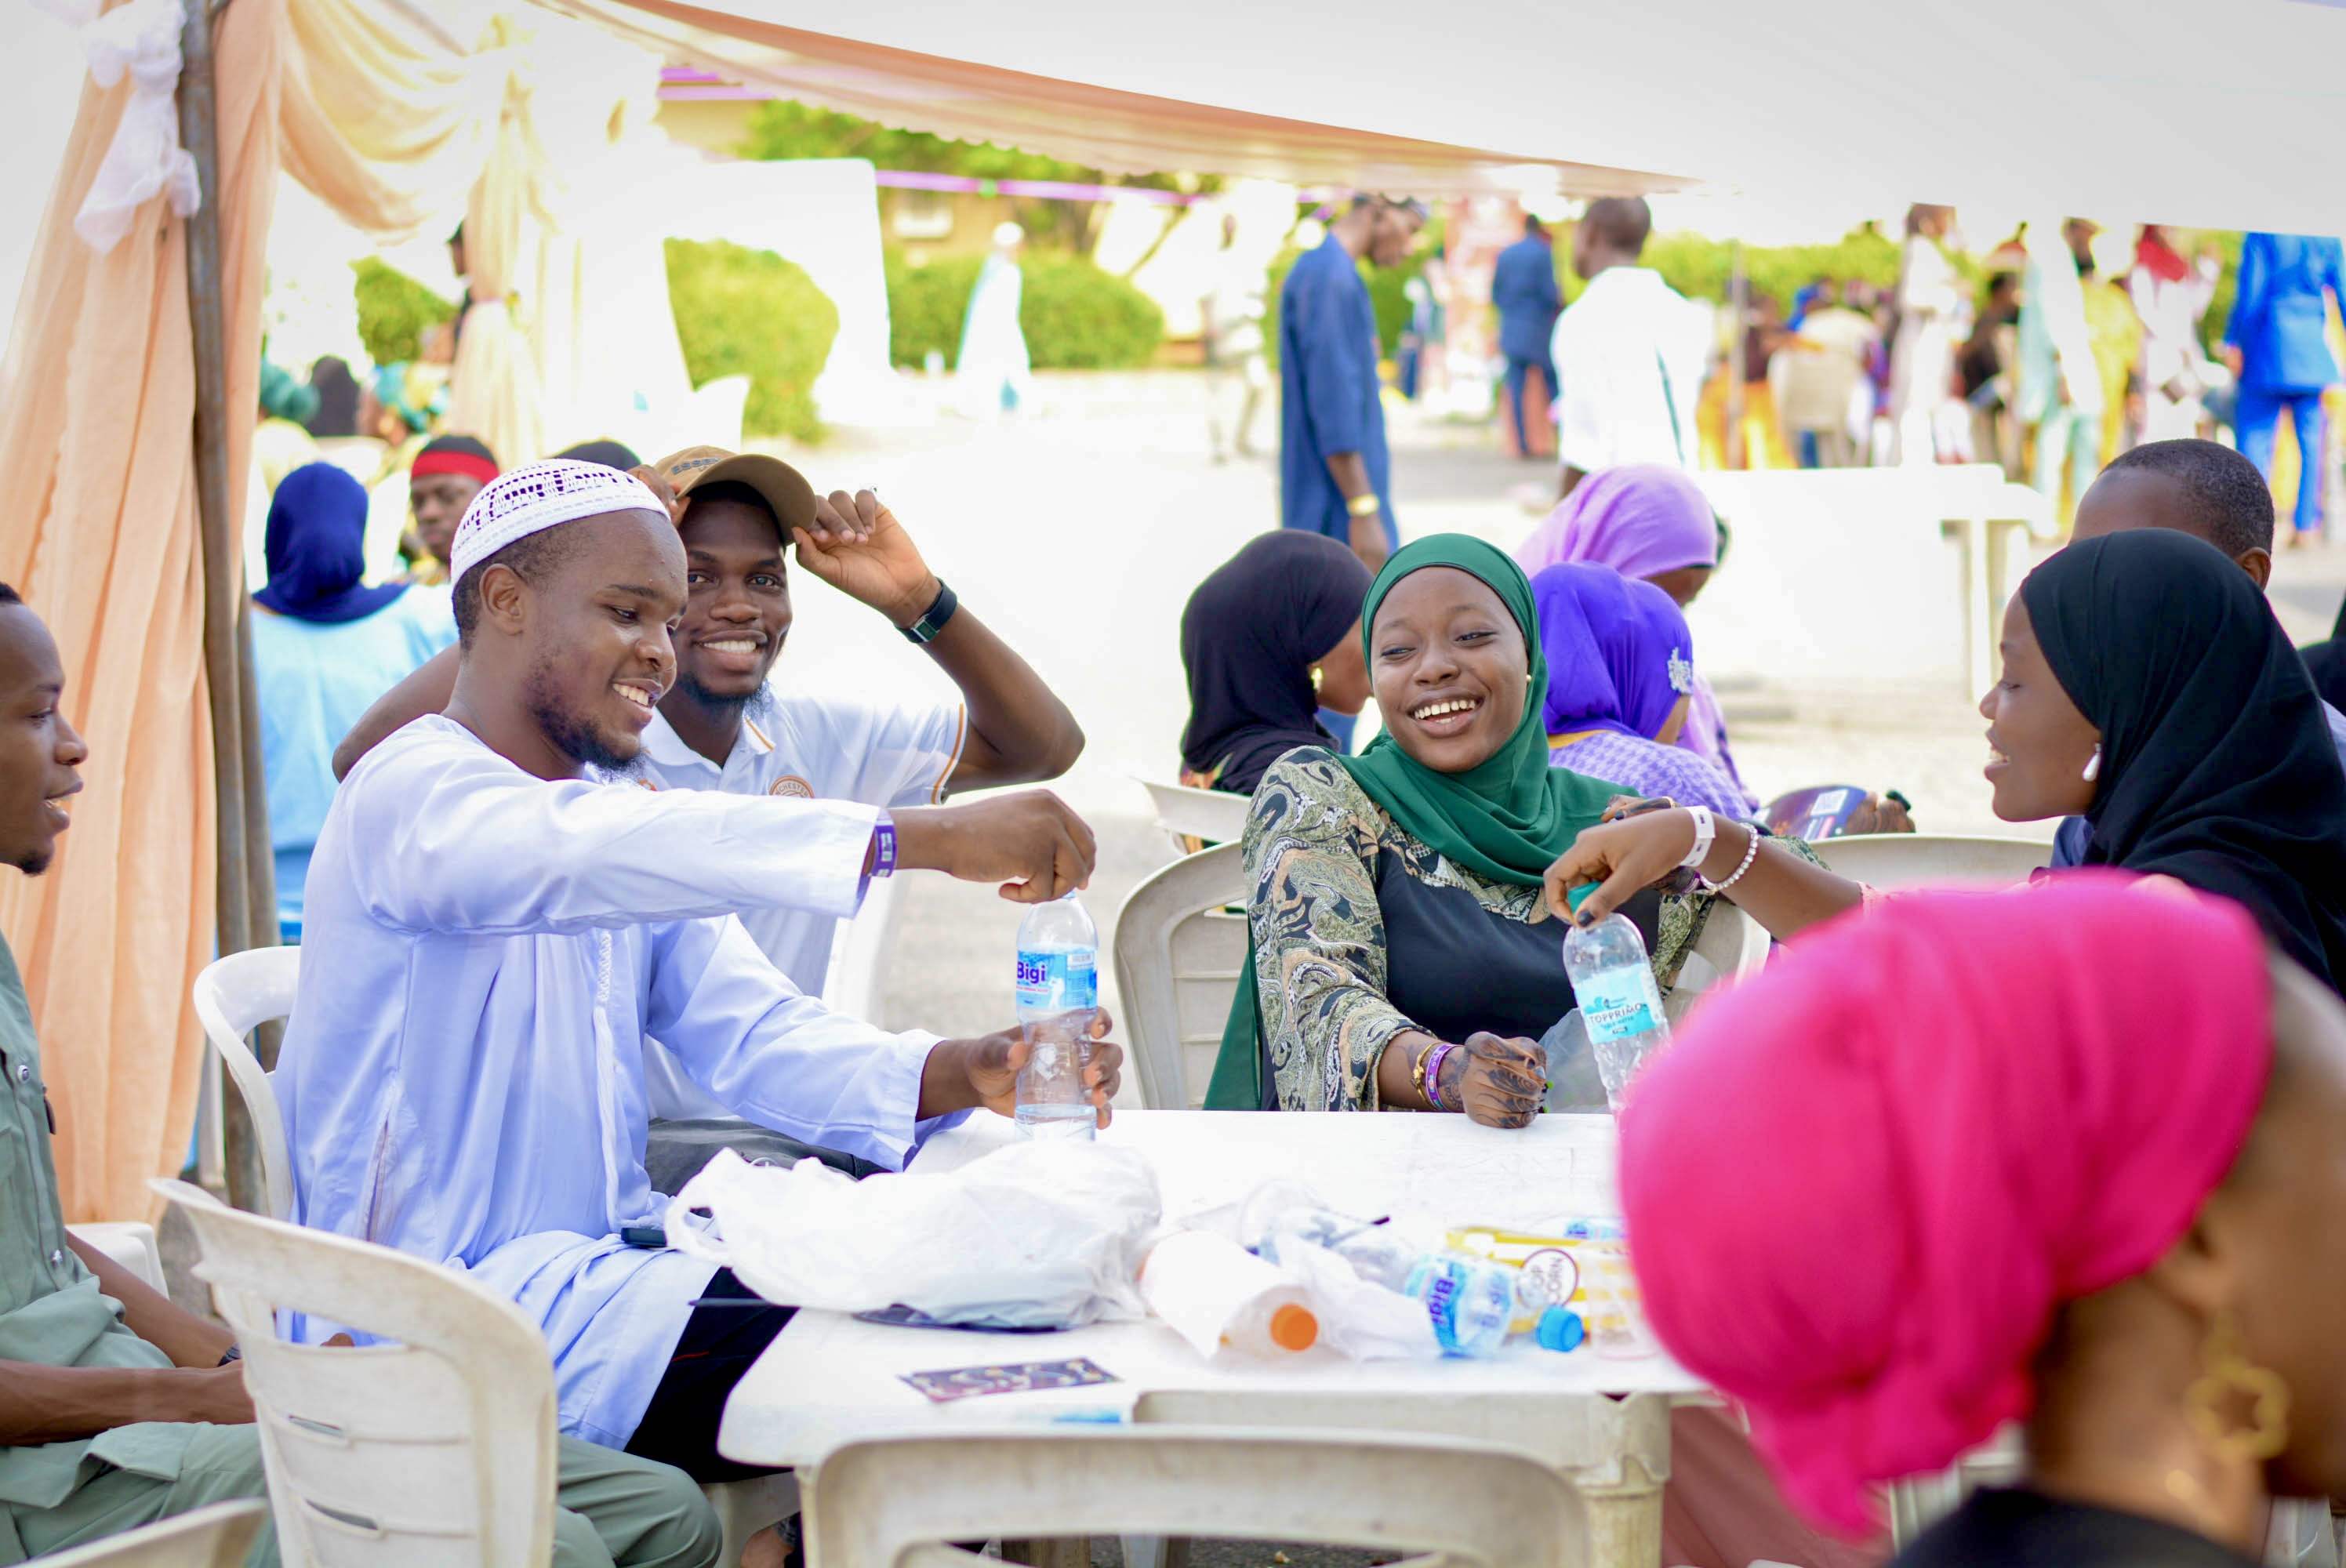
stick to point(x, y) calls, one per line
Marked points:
point(490, 934)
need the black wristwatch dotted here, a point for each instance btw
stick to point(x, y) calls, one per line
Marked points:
point(933, 619)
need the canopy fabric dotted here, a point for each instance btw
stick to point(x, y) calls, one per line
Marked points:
point(2194, 112)
point(98, 532)
point(1216, 117)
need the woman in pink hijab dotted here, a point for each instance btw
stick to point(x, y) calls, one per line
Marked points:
point(1653, 523)
point(2076, 1158)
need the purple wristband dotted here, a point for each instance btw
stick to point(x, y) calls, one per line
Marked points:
point(1433, 1073)
point(883, 846)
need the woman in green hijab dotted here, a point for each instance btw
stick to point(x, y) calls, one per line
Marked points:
point(1396, 896)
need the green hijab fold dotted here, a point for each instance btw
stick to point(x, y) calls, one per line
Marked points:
point(1506, 818)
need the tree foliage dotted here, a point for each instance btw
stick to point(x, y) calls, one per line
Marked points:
point(395, 311)
point(750, 313)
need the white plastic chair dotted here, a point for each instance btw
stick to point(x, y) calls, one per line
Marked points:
point(1920, 1501)
point(215, 1536)
point(1178, 953)
point(235, 994)
point(1183, 813)
point(1731, 944)
point(234, 997)
point(857, 976)
point(1912, 860)
point(129, 1242)
point(895, 1502)
point(437, 1449)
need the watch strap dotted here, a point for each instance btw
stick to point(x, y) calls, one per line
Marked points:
point(933, 619)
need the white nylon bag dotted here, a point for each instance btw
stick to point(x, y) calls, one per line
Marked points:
point(1032, 1235)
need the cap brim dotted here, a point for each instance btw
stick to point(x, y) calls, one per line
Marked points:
point(786, 490)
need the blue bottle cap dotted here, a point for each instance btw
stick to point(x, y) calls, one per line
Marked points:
point(1560, 1329)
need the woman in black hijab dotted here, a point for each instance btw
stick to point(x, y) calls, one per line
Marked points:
point(2210, 760)
point(1267, 639)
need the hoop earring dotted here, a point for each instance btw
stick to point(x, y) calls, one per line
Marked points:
point(2093, 765)
point(2226, 1374)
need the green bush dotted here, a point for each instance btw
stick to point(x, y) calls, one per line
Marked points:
point(1700, 267)
point(741, 311)
point(1075, 316)
point(395, 311)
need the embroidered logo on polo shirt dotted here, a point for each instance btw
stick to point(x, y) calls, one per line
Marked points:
point(791, 786)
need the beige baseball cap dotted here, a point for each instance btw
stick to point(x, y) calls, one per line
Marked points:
point(785, 489)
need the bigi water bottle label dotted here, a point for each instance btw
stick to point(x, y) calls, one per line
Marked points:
point(1441, 1283)
point(1058, 982)
point(1619, 1002)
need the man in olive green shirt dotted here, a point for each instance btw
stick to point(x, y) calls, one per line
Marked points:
point(117, 1407)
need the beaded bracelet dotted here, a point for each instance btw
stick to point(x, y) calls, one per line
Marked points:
point(1750, 853)
point(1434, 1059)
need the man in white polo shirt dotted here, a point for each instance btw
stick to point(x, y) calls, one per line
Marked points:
point(720, 727)
point(1630, 353)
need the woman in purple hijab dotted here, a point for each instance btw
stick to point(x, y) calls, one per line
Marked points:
point(1651, 523)
point(1620, 680)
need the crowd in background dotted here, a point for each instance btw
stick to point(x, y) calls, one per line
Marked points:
point(2056, 350)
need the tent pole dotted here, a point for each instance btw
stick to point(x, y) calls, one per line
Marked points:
point(224, 671)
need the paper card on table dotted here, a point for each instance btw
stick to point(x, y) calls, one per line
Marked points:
point(1009, 1378)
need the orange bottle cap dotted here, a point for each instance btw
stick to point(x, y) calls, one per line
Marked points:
point(1293, 1327)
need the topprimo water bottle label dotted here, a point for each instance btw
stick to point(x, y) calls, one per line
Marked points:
point(1056, 982)
point(1619, 1003)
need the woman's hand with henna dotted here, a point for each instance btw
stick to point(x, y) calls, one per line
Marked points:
point(1498, 1082)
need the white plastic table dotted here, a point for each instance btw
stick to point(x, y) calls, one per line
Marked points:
point(829, 1379)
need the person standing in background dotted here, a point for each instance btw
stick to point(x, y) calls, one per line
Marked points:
point(447, 472)
point(1822, 367)
point(1335, 475)
point(324, 648)
point(1923, 353)
point(2060, 384)
point(2275, 344)
point(2115, 332)
point(991, 366)
point(1629, 354)
point(1986, 367)
point(1523, 289)
point(1235, 370)
point(2171, 295)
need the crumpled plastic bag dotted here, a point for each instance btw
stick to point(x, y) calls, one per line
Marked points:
point(1360, 1320)
point(1036, 1234)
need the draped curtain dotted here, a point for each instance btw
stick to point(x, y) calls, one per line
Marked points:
point(98, 532)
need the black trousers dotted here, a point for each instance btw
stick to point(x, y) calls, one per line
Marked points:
point(719, 1341)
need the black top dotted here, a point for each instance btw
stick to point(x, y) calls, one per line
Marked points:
point(2326, 663)
point(2217, 767)
point(2017, 1529)
point(1456, 968)
point(1249, 637)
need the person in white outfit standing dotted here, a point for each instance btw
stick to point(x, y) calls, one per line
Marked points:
point(1629, 354)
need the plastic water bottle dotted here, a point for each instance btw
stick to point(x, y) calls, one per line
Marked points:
point(1471, 1301)
point(1620, 1005)
point(1217, 1295)
point(1058, 993)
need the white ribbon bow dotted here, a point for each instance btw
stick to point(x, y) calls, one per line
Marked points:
point(145, 158)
